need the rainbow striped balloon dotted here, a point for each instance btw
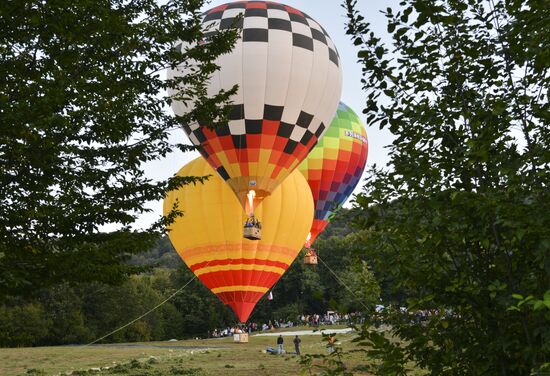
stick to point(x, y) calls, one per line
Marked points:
point(335, 165)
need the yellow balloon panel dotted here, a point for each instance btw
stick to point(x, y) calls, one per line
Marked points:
point(209, 236)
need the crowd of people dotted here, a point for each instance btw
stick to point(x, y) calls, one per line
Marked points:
point(313, 320)
point(331, 318)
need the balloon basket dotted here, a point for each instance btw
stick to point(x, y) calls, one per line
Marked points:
point(252, 233)
point(310, 258)
point(240, 337)
point(252, 228)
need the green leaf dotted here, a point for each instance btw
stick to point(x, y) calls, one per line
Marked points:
point(499, 107)
point(400, 32)
point(461, 5)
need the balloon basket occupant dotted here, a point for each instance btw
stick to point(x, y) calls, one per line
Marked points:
point(252, 226)
point(310, 257)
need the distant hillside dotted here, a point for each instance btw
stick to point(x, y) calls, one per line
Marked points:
point(162, 255)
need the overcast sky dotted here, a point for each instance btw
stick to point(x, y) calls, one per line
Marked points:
point(331, 15)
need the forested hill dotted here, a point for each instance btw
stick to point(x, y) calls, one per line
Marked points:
point(80, 313)
point(161, 255)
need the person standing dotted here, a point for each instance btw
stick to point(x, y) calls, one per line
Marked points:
point(280, 344)
point(297, 344)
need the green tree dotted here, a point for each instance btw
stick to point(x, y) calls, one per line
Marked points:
point(459, 221)
point(23, 325)
point(200, 310)
point(339, 225)
point(300, 283)
point(80, 313)
point(82, 108)
point(64, 308)
point(364, 291)
point(103, 313)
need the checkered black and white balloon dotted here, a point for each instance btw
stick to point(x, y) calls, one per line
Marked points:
point(289, 77)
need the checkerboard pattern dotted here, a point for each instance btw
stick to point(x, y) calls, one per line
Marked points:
point(335, 165)
point(304, 29)
point(269, 142)
point(289, 77)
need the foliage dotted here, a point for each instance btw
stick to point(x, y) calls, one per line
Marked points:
point(83, 107)
point(22, 324)
point(332, 364)
point(458, 224)
point(531, 303)
point(162, 254)
point(339, 225)
point(81, 313)
point(342, 263)
point(385, 356)
point(365, 291)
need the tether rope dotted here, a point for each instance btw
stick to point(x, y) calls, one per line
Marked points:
point(145, 314)
point(191, 280)
point(343, 284)
point(335, 276)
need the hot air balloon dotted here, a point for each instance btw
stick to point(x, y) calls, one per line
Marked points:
point(208, 236)
point(334, 166)
point(289, 77)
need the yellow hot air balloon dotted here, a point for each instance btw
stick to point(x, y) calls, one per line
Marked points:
point(208, 237)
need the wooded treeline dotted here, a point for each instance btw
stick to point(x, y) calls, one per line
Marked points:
point(459, 216)
point(81, 313)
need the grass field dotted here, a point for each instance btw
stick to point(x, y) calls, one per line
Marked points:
point(190, 357)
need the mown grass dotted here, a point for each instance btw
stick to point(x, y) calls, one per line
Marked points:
point(222, 357)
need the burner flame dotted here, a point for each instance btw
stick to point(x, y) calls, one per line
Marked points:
point(251, 194)
point(308, 240)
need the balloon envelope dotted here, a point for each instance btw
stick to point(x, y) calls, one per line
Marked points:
point(208, 237)
point(335, 165)
point(289, 77)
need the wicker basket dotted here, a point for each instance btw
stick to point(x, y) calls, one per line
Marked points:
point(252, 233)
point(310, 260)
point(240, 337)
